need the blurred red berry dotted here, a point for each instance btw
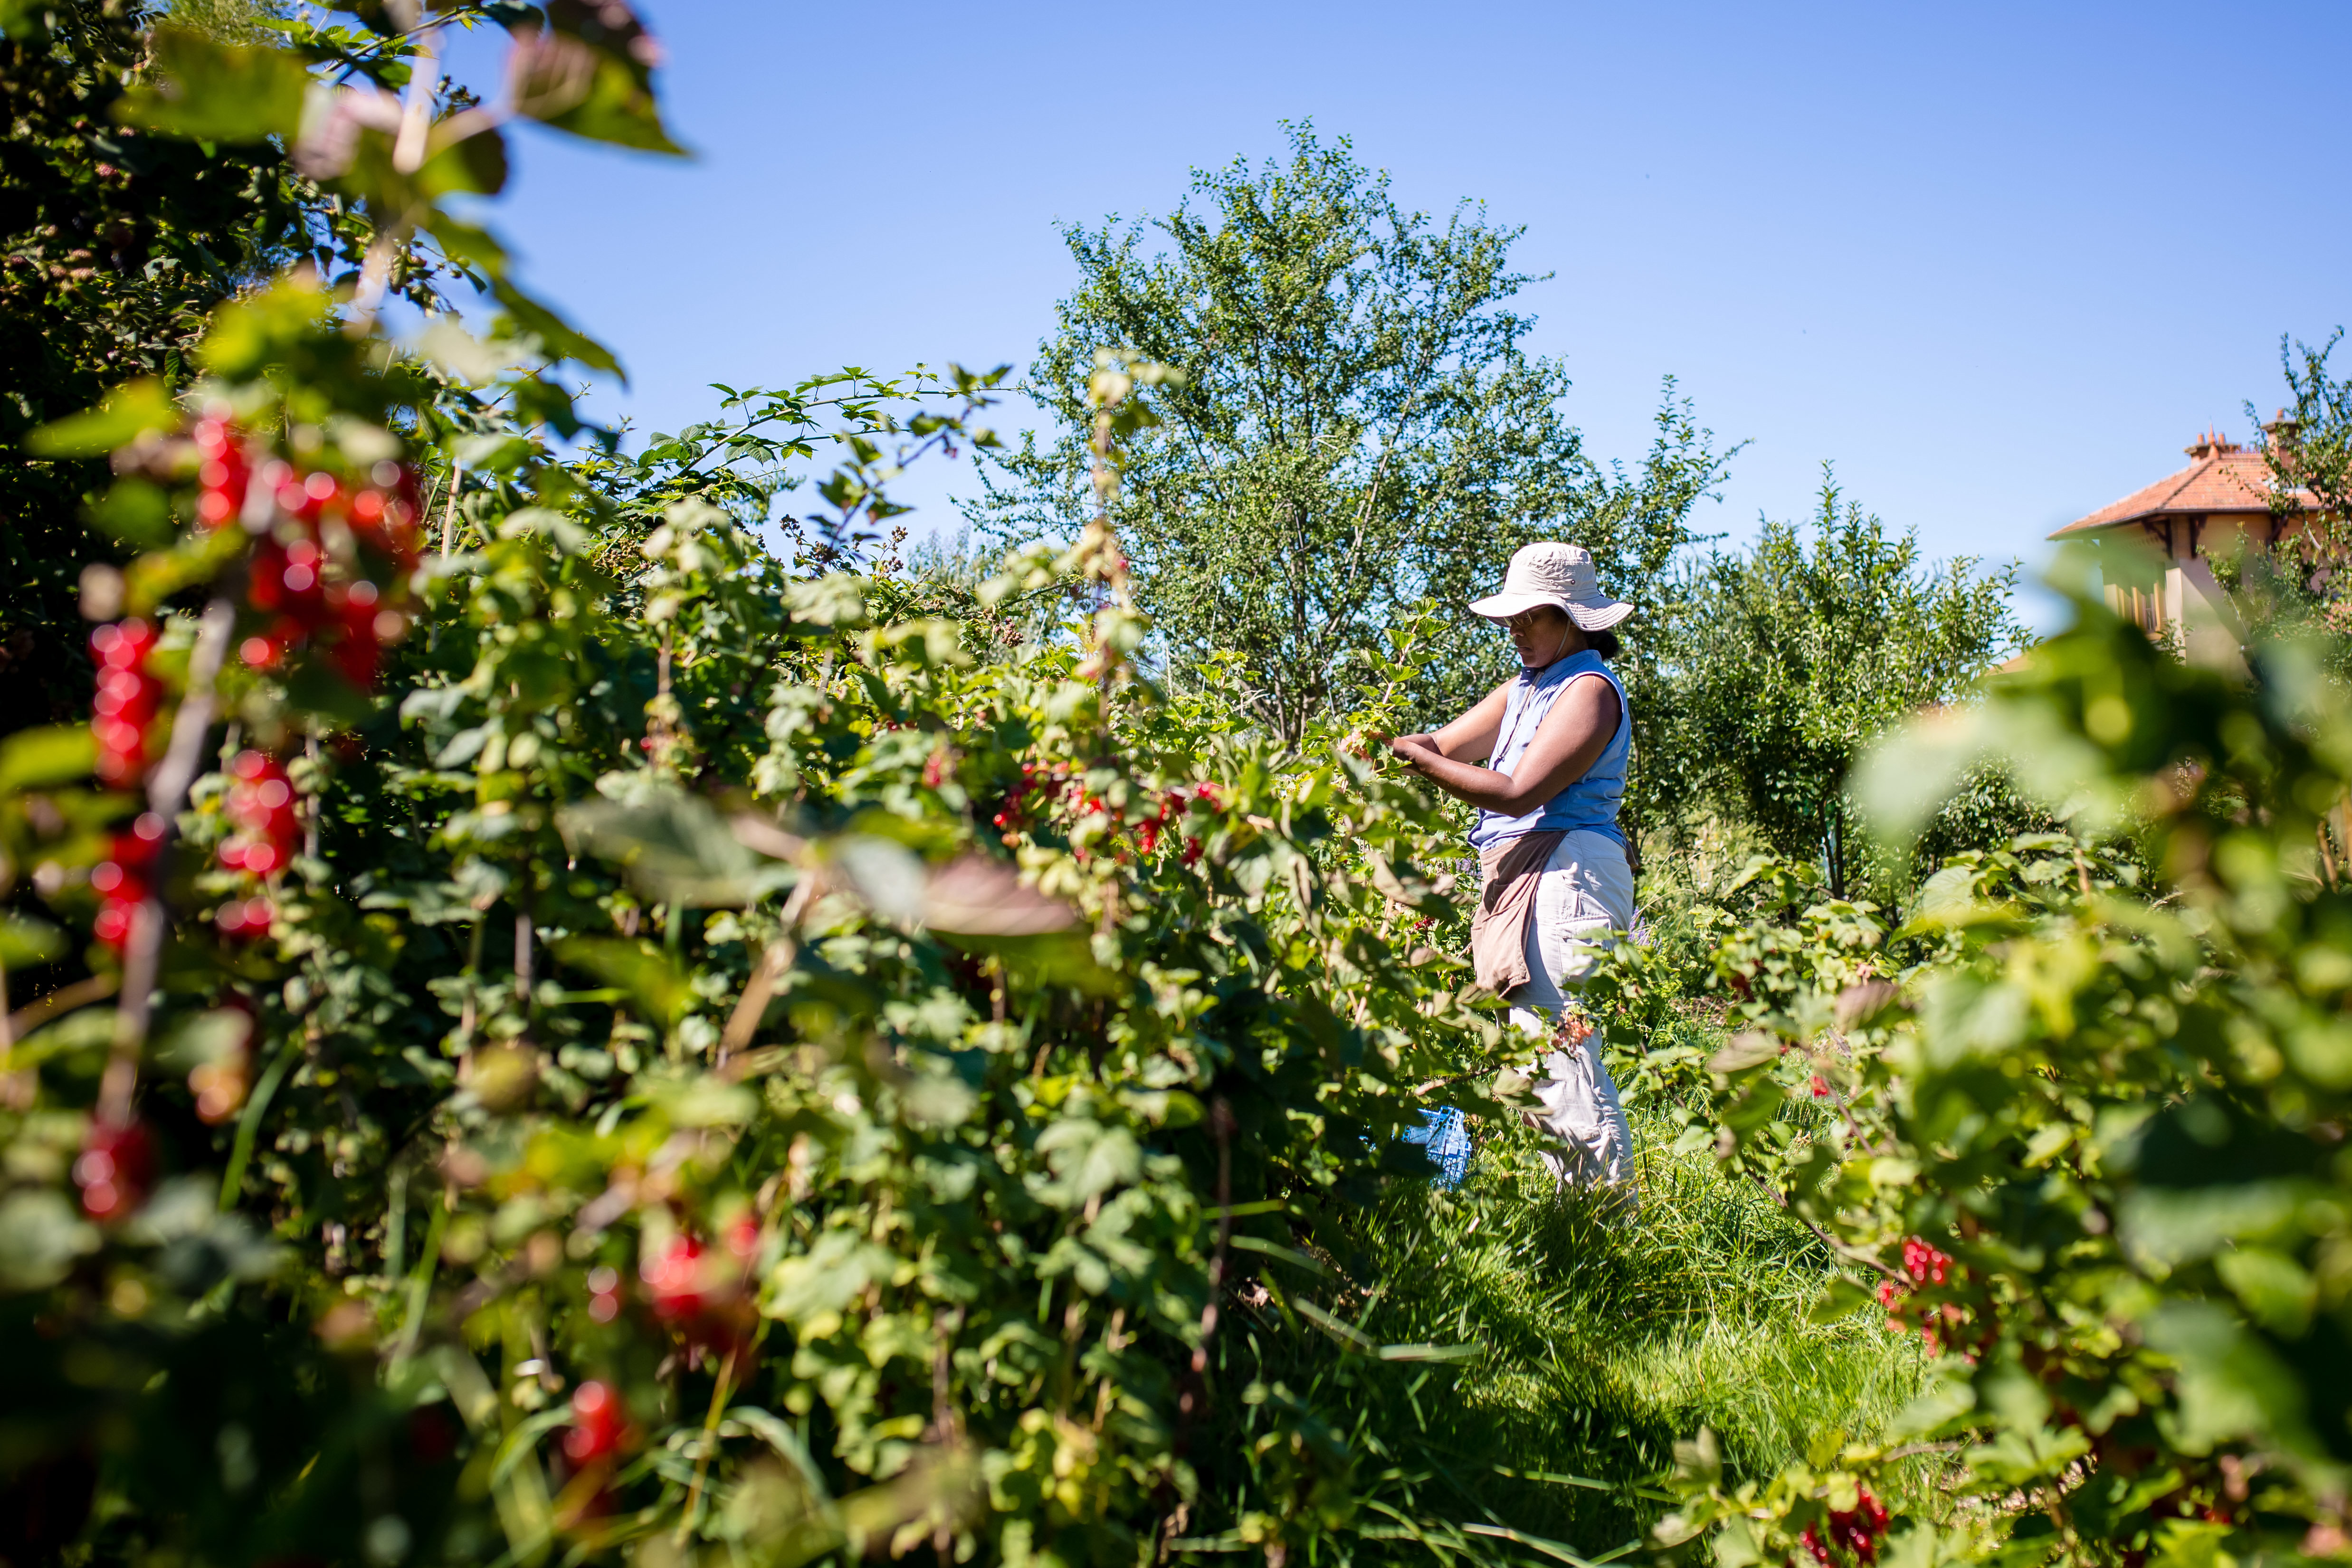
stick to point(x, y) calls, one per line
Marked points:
point(242, 919)
point(116, 1167)
point(603, 1293)
point(674, 1279)
point(262, 809)
point(599, 1424)
point(123, 879)
point(129, 698)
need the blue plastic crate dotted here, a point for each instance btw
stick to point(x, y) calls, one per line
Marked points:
point(1446, 1134)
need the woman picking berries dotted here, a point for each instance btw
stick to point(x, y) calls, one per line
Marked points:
point(1543, 758)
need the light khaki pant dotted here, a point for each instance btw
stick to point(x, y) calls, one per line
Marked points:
point(1583, 903)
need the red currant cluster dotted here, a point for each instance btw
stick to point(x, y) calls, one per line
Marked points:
point(1856, 1529)
point(116, 1167)
point(123, 879)
point(267, 823)
point(1926, 1265)
point(1052, 783)
point(1173, 804)
point(305, 590)
point(129, 698)
point(600, 1426)
point(701, 1293)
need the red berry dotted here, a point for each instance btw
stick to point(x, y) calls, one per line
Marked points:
point(261, 806)
point(128, 700)
point(116, 1167)
point(121, 881)
point(599, 1424)
point(242, 919)
point(675, 1279)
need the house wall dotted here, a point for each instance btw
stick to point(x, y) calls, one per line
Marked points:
point(2159, 572)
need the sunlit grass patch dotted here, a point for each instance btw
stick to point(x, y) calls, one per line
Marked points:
point(1601, 1338)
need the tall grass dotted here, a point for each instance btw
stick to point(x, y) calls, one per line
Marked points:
point(1592, 1339)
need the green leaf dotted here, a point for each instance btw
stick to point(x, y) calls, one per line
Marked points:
point(43, 758)
point(661, 991)
point(1454, 1352)
point(262, 329)
point(1841, 1300)
point(317, 686)
point(475, 166)
point(787, 1444)
point(551, 333)
point(1289, 1255)
point(135, 512)
point(23, 18)
point(473, 361)
point(41, 1236)
point(2276, 1292)
point(675, 848)
point(212, 91)
point(128, 412)
point(1056, 959)
point(25, 941)
point(601, 94)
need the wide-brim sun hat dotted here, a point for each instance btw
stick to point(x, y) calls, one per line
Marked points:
point(1560, 575)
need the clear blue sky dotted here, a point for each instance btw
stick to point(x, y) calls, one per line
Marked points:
point(1997, 262)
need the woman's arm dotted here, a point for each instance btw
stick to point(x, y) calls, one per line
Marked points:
point(1471, 737)
point(1568, 741)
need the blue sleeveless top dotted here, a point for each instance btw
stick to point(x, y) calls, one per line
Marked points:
point(1589, 804)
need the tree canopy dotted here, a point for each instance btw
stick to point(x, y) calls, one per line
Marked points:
point(1785, 661)
point(1360, 428)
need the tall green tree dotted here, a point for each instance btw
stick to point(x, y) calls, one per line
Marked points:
point(1787, 659)
point(1360, 428)
point(2300, 588)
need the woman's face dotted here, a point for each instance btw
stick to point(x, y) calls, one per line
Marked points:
point(1540, 635)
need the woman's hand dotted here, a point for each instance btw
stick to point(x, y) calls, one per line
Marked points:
point(1414, 749)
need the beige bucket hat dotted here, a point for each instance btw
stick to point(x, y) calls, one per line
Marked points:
point(1556, 574)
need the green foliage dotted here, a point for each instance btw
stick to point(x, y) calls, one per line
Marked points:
point(1787, 661)
point(1358, 430)
point(2295, 589)
point(2084, 1144)
point(2317, 454)
point(631, 1042)
point(572, 1006)
point(923, 1155)
point(120, 242)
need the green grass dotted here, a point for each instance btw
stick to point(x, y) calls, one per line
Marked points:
point(1605, 1339)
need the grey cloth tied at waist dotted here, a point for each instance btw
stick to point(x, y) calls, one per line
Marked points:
point(1510, 872)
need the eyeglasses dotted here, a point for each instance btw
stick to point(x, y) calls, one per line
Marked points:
point(1525, 621)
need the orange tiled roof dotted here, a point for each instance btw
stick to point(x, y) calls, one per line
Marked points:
point(2224, 478)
